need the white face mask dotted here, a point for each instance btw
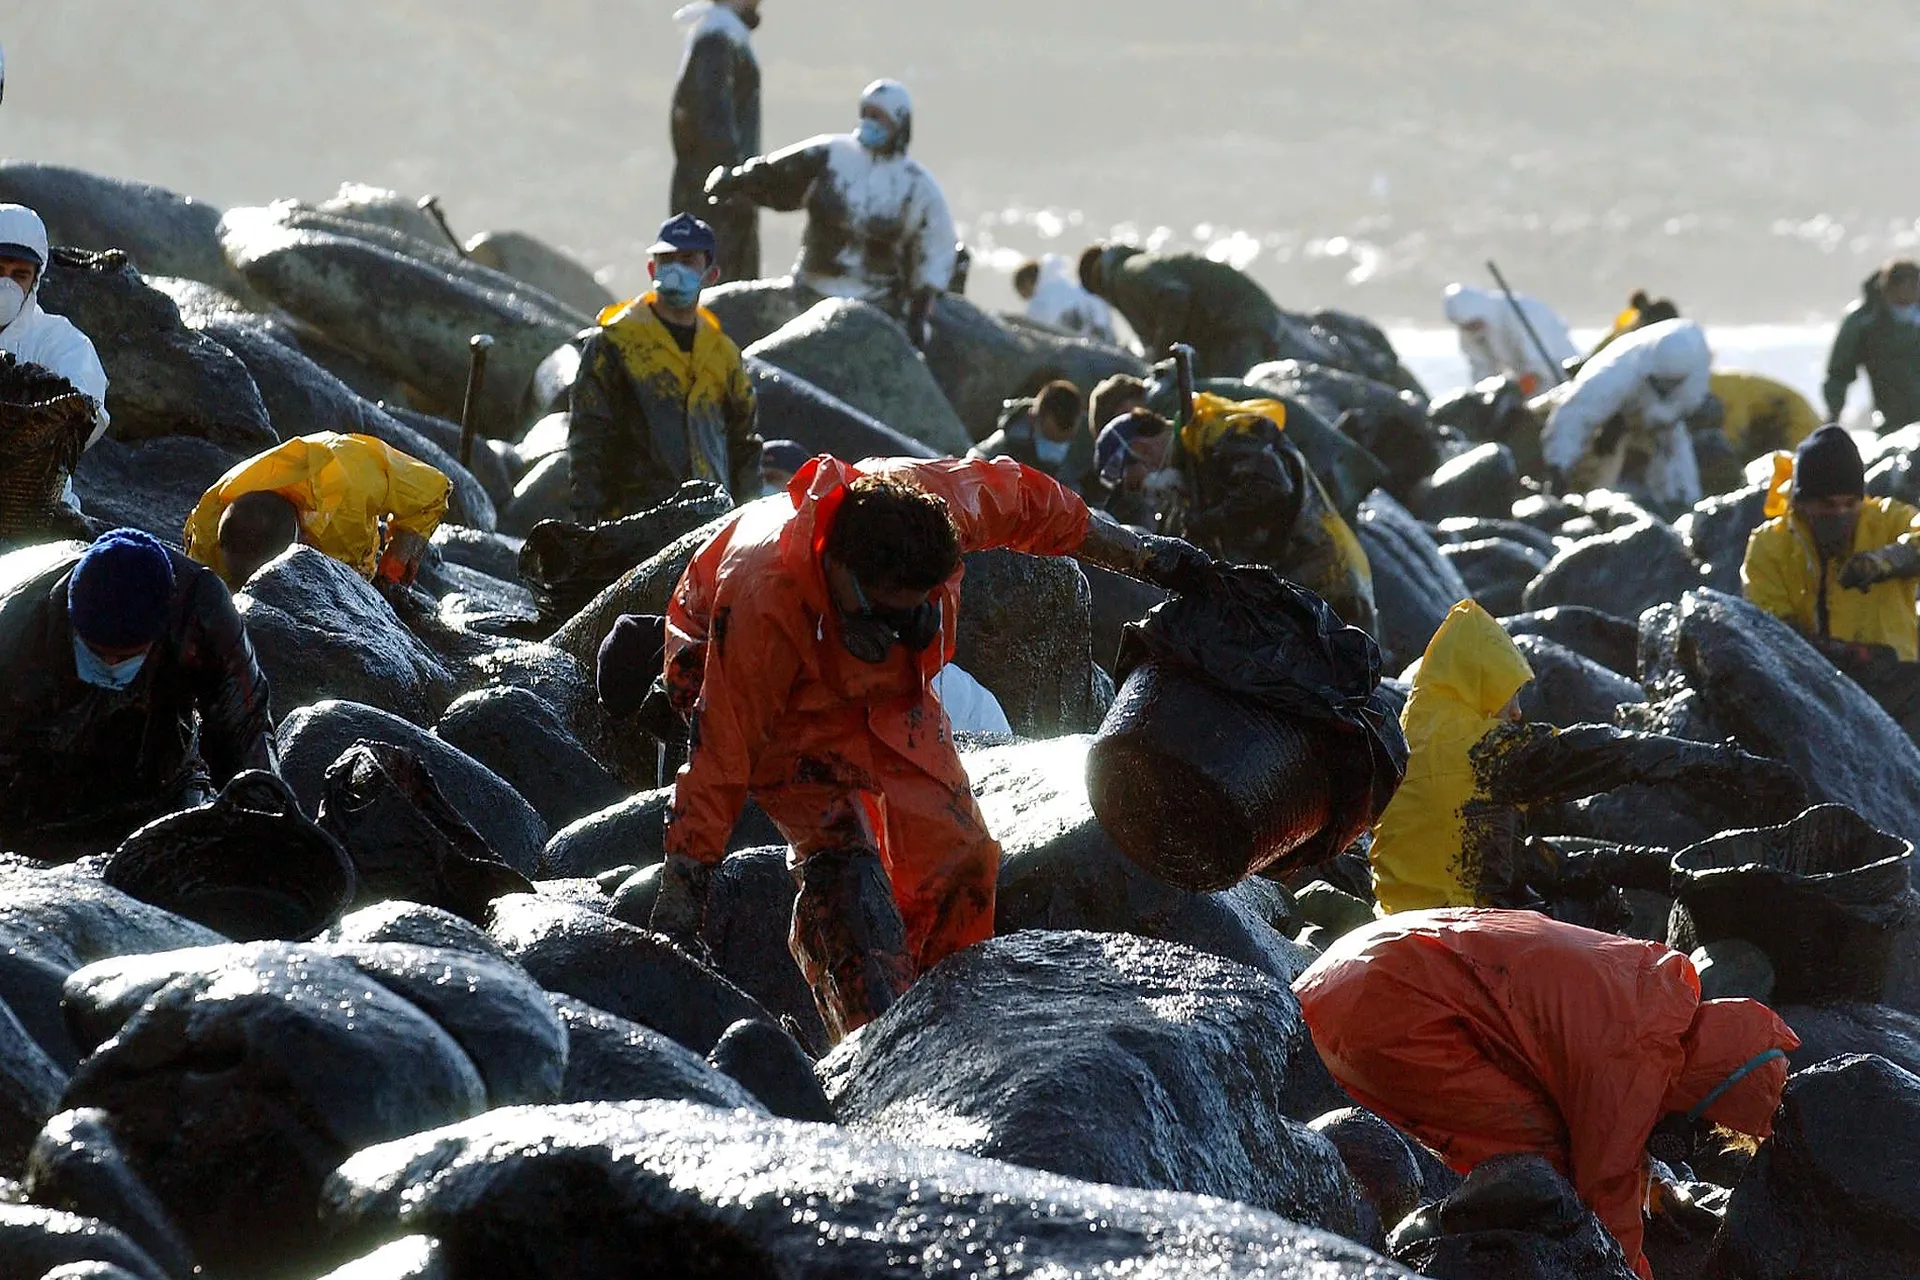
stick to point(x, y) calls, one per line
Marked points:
point(13, 300)
point(94, 670)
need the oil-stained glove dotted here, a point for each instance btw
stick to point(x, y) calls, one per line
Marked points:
point(1869, 568)
point(680, 912)
point(1173, 564)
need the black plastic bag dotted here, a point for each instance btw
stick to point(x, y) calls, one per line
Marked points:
point(249, 865)
point(404, 837)
point(566, 565)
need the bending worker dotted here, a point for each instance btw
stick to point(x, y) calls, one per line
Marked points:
point(131, 692)
point(1637, 394)
point(1841, 568)
point(1583, 1046)
point(878, 227)
point(801, 645)
point(1498, 344)
point(351, 497)
point(662, 396)
point(1454, 835)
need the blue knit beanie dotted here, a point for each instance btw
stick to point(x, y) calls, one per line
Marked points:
point(121, 591)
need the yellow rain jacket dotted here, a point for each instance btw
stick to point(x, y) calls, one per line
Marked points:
point(1762, 414)
point(648, 416)
point(1420, 846)
point(1324, 555)
point(1784, 574)
point(343, 486)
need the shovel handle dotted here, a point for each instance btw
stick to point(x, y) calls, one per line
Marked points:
point(430, 205)
point(477, 348)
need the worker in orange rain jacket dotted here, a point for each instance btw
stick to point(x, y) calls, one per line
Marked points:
point(802, 643)
point(1488, 1032)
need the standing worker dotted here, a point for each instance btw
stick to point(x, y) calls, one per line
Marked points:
point(1882, 332)
point(662, 396)
point(354, 498)
point(1497, 344)
point(716, 122)
point(1842, 569)
point(132, 692)
point(878, 227)
point(800, 647)
point(1484, 1033)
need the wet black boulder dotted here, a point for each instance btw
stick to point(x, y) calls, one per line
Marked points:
point(774, 1068)
point(791, 408)
point(676, 1188)
point(1623, 572)
point(1716, 666)
point(1099, 1056)
point(610, 1059)
point(1496, 570)
point(1830, 1195)
point(630, 972)
point(77, 1166)
point(1413, 585)
point(1612, 642)
point(1513, 1218)
point(1835, 1030)
point(415, 924)
point(633, 833)
point(54, 921)
point(1025, 633)
point(322, 631)
point(30, 1087)
point(518, 736)
point(1716, 533)
point(1483, 481)
point(36, 1242)
point(235, 1088)
point(312, 738)
point(1568, 689)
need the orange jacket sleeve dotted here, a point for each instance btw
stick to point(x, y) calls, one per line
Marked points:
point(751, 662)
point(998, 504)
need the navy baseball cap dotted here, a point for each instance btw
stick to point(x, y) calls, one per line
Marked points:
point(684, 233)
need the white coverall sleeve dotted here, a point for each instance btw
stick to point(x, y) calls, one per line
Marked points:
point(1603, 389)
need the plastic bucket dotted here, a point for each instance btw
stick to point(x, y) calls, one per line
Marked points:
point(1825, 897)
point(249, 865)
point(1201, 790)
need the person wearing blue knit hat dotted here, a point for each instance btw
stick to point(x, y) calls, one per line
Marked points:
point(132, 690)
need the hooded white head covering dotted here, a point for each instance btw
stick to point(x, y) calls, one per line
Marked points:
point(50, 341)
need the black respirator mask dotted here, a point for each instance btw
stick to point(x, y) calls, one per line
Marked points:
point(871, 633)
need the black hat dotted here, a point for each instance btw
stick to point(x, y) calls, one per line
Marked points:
point(1828, 464)
point(629, 660)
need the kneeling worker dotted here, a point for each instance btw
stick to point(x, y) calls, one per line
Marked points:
point(1841, 568)
point(334, 493)
point(801, 647)
point(131, 692)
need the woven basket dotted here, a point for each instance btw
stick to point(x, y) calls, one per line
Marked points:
point(44, 424)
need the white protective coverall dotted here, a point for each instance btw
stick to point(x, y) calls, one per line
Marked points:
point(1499, 346)
point(970, 705)
point(1061, 301)
point(878, 227)
point(1652, 379)
point(50, 341)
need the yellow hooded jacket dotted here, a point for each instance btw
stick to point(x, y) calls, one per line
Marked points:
point(1762, 414)
point(1422, 854)
point(343, 486)
point(1784, 574)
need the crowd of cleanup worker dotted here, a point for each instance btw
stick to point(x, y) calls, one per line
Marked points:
point(806, 776)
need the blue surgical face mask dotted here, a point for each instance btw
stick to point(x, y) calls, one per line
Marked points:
point(873, 134)
point(1908, 314)
point(102, 674)
point(678, 284)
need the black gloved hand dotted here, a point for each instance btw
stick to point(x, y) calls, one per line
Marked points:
point(680, 912)
point(1173, 564)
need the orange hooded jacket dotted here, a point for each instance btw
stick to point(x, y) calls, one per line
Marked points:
point(754, 657)
point(1484, 1032)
